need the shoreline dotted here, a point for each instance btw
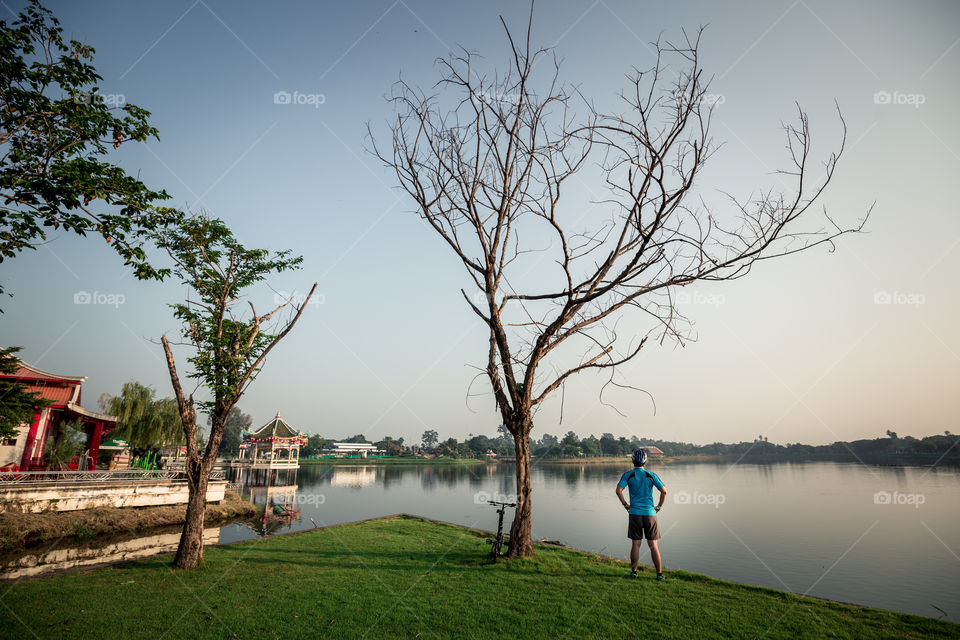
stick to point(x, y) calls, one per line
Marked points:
point(25, 531)
point(389, 461)
point(888, 461)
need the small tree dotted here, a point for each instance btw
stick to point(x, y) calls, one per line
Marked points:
point(56, 128)
point(315, 445)
point(17, 405)
point(429, 439)
point(66, 446)
point(487, 162)
point(229, 346)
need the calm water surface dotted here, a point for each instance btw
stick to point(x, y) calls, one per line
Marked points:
point(886, 537)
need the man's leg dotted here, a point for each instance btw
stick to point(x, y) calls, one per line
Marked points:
point(635, 554)
point(654, 554)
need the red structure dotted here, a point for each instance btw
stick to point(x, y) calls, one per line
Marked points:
point(25, 452)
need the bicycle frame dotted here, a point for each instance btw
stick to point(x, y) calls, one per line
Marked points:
point(497, 543)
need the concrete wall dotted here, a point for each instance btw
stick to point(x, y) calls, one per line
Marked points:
point(71, 496)
point(35, 564)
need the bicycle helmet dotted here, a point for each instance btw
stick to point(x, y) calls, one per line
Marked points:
point(639, 457)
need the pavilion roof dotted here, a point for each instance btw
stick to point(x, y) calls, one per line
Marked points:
point(276, 428)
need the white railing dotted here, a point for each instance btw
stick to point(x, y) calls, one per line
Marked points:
point(93, 477)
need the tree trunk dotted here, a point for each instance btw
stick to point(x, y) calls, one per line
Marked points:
point(520, 541)
point(190, 551)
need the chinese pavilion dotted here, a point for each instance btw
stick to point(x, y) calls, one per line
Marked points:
point(275, 445)
point(25, 451)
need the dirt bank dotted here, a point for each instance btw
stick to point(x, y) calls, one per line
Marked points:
point(19, 530)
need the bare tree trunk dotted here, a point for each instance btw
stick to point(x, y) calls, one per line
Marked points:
point(520, 531)
point(190, 551)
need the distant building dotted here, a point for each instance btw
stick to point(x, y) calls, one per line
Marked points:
point(654, 452)
point(26, 450)
point(361, 449)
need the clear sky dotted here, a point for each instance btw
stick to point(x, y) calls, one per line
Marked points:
point(804, 349)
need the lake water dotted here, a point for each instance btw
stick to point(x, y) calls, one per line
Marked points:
point(886, 537)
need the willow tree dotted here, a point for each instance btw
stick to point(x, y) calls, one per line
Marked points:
point(142, 420)
point(229, 341)
point(488, 161)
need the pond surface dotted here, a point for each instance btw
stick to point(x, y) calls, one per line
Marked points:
point(886, 537)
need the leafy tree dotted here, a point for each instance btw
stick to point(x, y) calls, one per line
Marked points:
point(590, 446)
point(429, 439)
point(608, 444)
point(448, 447)
point(229, 346)
point(357, 439)
point(570, 450)
point(142, 420)
point(391, 447)
point(478, 445)
point(571, 439)
point(237, 422)
point(69, 443)
point(17, 405)
point(56, 128)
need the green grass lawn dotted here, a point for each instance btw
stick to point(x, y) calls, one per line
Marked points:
point(405, 577)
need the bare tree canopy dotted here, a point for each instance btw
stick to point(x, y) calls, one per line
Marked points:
point(487, 160)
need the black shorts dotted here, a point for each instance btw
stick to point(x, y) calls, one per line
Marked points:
point(641, 527)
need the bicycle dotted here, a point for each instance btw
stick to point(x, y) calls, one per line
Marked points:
point(497, 543)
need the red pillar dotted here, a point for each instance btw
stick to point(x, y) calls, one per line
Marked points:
point(31, 439)
point(95, 444)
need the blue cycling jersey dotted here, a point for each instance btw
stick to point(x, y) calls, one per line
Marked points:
point(641, 483)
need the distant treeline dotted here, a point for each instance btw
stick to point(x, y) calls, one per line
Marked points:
point(889, 449)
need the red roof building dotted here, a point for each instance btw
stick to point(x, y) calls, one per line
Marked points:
point(25, 452)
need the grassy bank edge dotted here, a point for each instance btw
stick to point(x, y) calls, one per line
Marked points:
point(704, 593)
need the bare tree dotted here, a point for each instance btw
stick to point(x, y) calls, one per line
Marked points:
point(487, 170)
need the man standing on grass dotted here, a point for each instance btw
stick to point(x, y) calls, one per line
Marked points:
point(643, 515)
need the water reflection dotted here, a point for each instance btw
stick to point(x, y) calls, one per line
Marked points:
point(277, 494)
point(44, 562)
point(356, 477)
